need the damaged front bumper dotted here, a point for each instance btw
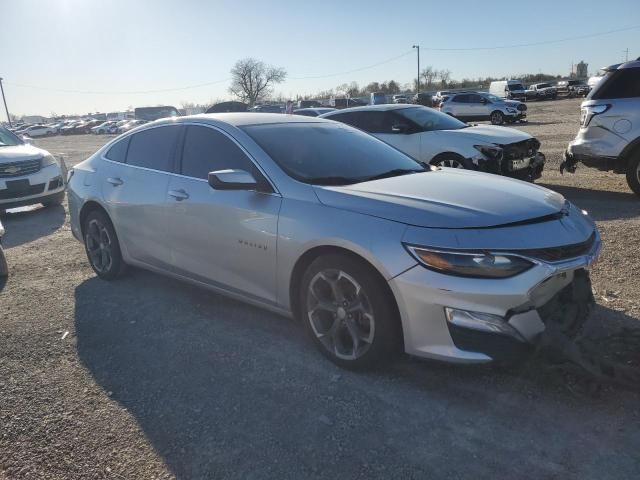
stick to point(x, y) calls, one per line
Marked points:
point(526, 168)
point(472, 320)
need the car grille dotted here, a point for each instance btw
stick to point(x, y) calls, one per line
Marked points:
point(17, 169)
point(557, 254)
point(26, 191)
point(524, 149)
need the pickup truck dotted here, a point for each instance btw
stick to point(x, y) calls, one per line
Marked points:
point(541, 91)
point(573, 88)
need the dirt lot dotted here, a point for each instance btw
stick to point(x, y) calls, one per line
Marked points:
point(150, 378)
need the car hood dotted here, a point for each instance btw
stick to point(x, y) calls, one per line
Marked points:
point(446, 198)
point(489, 134)
point(20, 152)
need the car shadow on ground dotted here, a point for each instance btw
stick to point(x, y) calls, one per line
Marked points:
point(219, 387)
point(26, 225)
point(601, 204)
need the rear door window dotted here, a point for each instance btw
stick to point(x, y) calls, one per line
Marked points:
point(461, 99)
point(154, 148)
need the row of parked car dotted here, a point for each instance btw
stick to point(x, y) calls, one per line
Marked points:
point(75, 127)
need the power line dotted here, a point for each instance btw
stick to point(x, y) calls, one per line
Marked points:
point(532, 44)
point(116, 92)
point(389, 60)
point(336, 74)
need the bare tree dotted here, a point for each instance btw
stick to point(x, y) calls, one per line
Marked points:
point(429, 74)
point(253, 80)
point(444, 76)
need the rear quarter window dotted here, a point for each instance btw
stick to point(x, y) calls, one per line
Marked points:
point(118, 151)
point(624, 83)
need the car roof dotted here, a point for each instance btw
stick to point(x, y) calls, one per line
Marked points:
point(375, 108)
point(240, 119)
point(622, 66)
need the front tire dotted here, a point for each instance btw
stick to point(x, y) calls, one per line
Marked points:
point(102, 246)
point(349, 312)
point(450, 160)
point(633, 172)
point(497, 118)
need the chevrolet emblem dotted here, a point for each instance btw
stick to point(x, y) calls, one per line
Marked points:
point(11, 170)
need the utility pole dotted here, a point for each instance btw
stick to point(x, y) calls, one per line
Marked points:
point(626, 55)
point(5, 103)
point(418, 79)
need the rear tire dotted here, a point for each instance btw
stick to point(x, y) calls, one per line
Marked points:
point(497, 118)
point(102, 246)
point(633, 172)
point(349, 312)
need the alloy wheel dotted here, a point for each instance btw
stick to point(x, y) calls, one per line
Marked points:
point(450, 162)
point(99, 246)
point(340, 314)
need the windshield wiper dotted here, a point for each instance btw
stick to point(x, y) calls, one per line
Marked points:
point(394, 173)
point(331, 180)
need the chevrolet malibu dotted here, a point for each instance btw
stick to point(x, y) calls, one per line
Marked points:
point(372, 251)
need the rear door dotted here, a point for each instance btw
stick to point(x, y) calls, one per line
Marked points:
point(459, 106)
point(225, 238)
point(134, 185)
point(477, 106)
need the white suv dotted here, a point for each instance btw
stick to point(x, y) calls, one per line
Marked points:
point(28, 175)
point(474, 106)
point(433, 138)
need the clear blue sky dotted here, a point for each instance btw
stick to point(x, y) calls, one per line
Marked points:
point(141, 45)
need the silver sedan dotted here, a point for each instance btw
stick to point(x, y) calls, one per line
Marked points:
point(312, 218)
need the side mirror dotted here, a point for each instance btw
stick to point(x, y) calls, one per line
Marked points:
point(27, 140)
point(232, 180)
point(400, 128)
point(484, 101)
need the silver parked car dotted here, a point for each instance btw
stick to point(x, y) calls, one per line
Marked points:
point(609, 135)
point(308, 217)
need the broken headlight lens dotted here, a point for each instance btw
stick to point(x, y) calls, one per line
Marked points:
point(490, 151)
point(471, 264)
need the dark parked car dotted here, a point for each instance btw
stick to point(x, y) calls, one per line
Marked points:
point(573, 88)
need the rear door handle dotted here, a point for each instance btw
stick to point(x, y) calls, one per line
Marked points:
point(115, 181)
point(179, 195)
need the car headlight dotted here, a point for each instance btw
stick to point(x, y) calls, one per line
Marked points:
point(490, 151)
point(470, 264)
point(47, 160)
point(590, 111)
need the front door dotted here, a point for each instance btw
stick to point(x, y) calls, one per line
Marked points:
point(226, 238)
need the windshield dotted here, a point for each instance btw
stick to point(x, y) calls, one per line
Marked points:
point(8, 139)
point(515, 86)
point(429, 119)
point(330, 154)
point(543, 85)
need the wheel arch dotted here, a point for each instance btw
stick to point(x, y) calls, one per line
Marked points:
point(88, 207)
point(307, 258)
point(628, 151)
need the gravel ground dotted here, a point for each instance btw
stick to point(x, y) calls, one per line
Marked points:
point(151, 378)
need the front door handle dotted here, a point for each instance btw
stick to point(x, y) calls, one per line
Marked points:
point(115, 181)
point(179, 195)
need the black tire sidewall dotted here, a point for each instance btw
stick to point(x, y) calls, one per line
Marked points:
point(632, 172)
point(387, 338)
point(118, 266)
